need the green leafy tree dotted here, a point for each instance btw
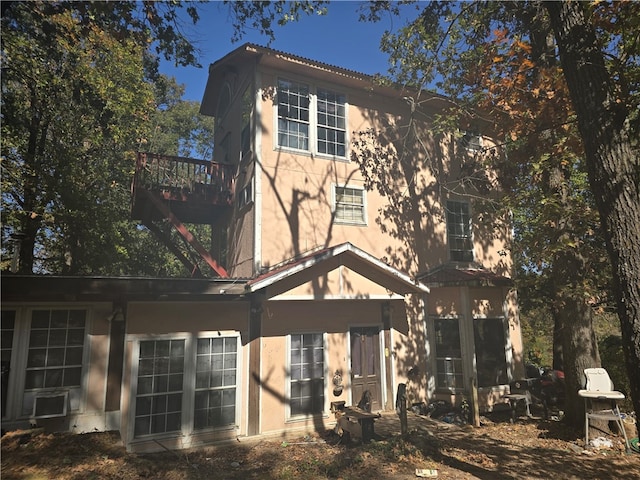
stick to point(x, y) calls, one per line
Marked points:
point(77, 100)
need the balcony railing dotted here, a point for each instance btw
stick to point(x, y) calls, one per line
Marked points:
point(180, 176)
point(190, 185)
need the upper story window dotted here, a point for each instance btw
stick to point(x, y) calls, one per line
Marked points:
point(332, 133)
point(293, 115)
point(459, 231)
point(311, 120)
point(349, 205)
point(223, 103)
point(471, 141)
point(245, 135)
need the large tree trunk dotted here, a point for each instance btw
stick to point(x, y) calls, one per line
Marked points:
point(614, 169)
point(574, 317)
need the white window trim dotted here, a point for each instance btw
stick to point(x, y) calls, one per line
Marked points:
point(325, 372)
point(17, 396)
point(470, 148)
point(365, 215)
point(86, 355)
point(434, 359)
point(188, 384)
point(313, 122)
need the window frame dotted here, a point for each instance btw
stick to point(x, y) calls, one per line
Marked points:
point(152, 395)
point(334, 205)
point(504, 348)
point(245, 195)
point(224, 102)
point(313, 125)
point(76, 393)
point(466, 255)
point(459, 360)
point(469, 143)
point(288, 410)
point(187, 429)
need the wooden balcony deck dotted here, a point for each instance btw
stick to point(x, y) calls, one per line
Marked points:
point(196, 191)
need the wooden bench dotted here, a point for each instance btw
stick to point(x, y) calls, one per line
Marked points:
point(365, 419)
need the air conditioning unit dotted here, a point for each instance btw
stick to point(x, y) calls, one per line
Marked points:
point(50, 405)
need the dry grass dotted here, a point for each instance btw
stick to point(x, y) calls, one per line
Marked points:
point(528, 449)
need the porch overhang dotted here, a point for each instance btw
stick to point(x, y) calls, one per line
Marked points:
point(454, 275)
point(55, 288)
point(304, 269)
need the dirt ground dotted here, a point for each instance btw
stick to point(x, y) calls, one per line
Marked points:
point(530, 448)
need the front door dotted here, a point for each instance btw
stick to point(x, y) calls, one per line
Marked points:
point(365, 365)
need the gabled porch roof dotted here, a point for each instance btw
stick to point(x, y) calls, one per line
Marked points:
point(304, 269)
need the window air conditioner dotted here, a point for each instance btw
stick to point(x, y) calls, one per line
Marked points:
point(50, 405)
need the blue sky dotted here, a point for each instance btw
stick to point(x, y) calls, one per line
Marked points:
point(337, 38)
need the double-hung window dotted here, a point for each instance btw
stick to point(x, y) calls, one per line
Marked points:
point(182, 383)
point(293, 115)
point(349, 205)
point(449, 373)
point(306, 381)
point(215, 397)
point(160, 387)
point(459, 231)
point(56, 345)
point(332, 133)
point(312, 120)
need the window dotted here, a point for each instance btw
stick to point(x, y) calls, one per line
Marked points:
point(448, 354)
point(293, 115)
point(331, 123)
point(307, 373)
point(56, 345)
point(215, 398)
point(245, 135)
point(223, 103)
point(349, 205)
point(245, 195)
point(471, 141)
point(459, 231)
point(311, 120)
point(182, 383)
point(491, 362)
point(159, 392)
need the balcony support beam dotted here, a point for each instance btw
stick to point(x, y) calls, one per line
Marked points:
point(186, 234)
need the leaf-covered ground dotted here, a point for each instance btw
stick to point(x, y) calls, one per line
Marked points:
point(528, 449)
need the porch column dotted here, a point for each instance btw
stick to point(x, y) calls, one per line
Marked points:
point(255, 362)
point(387, 321)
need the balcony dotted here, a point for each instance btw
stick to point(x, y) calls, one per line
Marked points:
point(195, 191)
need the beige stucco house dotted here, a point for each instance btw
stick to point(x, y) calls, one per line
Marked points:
point(323, 283)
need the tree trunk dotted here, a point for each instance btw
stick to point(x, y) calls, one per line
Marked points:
point(558, 355)
point(574, 317)
point(614, 169)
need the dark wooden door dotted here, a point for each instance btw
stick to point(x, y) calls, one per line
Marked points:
point(365, 365)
